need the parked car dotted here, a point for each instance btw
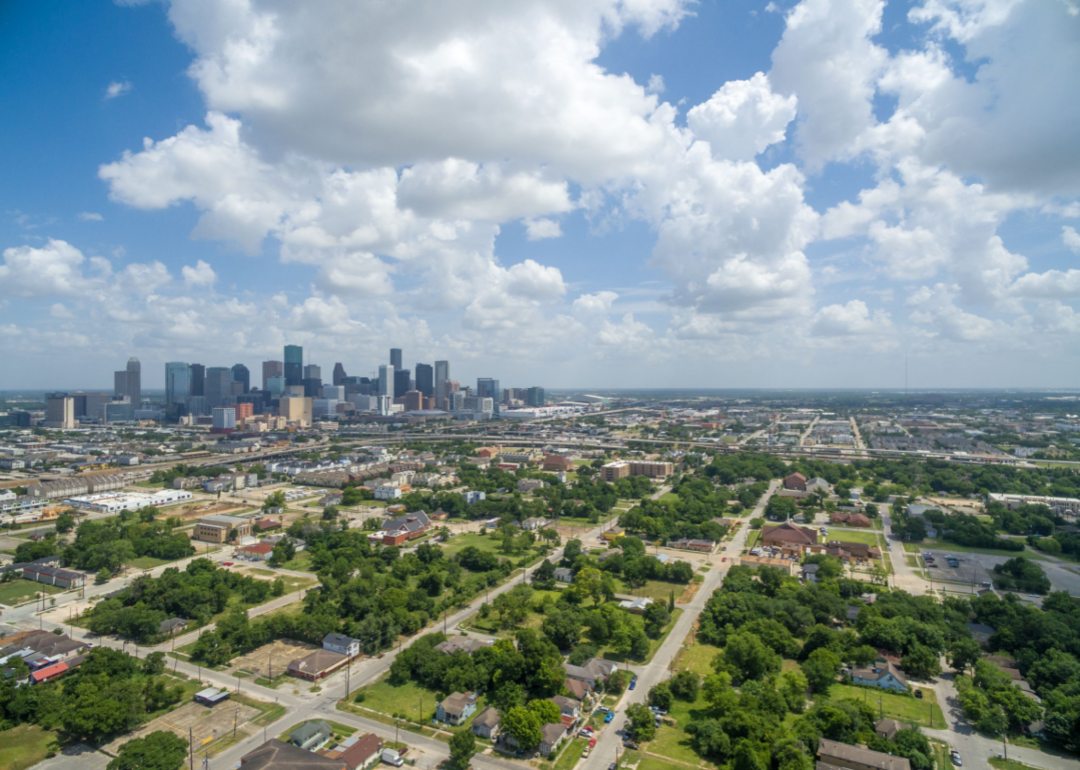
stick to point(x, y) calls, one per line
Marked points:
point(592, 743)
point(584, 734)
point(609, 717)
point(633, 683)
point(724, 559)
point(954, 755)
point(629, 744)
point(918, 693)
point(585, 753)
point(226, 564)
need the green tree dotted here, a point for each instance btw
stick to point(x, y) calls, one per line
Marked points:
point(523, 726)
point(544, 575)
point(274, 500)
point(278, 586)
point(642, 722)
point(749, 658)
point(65, 522)
point(921, 662)
point(154, 664)
point(660, 696)
point(103, 576)
point(746, 758)
point(160, 750)
point(820, 669)
point(685, 685)
point(544, 710)
point(656, 617)
point(462, 748)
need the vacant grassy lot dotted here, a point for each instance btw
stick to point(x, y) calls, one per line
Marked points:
point(570, 754)
point(902, 708)
point(854, 536)
point(340, 731)
point(148, 562)
point(653, 589)
point(484, 542)
point(301, 563)
point(26, 745)
point(401, 701)
point(18, 591)
point(698, 658)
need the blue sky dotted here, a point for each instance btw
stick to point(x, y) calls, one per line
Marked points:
point(606, 193)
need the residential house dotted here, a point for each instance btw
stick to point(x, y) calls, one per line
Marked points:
point(341, 644)
point(603, 557)
point(817, 483)
point(528, 485)
point(456, 708)
point(533, 523)
point(403, 528)
point(810, 572)
point(981, 632)
point(49, 672)
point(564, 574)
point(591, 671)
point(172, 626)
point(311, 735)
point(462, 643)
point(833, 754)
point(486, 723)
point(883, 674)
point(568, 707)
point(551, 736)
point(266, 524)
point(887, 728)
point(474, 496)
point(636, 605)
point(577, 688)
point(277, 755)
point(317, 664)
point(613, 533)
point(387, 492)
point(362, 754)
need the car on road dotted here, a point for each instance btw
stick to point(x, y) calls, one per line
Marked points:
point(724, 559)
point(226, 564)
point(609, 717)
point(633, 683)
point(1033, 596)
point(954, 755)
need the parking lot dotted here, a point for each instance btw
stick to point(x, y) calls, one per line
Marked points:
point(77, 757)
point(969, 568)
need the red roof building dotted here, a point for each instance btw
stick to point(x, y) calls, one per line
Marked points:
point(257, 551)
point(49, 672)
point(795, 481)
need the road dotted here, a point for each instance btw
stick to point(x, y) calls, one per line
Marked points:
point(609, 742)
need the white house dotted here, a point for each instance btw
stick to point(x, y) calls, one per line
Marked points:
point(473, 496)
point(341, 644)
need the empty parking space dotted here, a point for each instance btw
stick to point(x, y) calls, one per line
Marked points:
point(202, 723)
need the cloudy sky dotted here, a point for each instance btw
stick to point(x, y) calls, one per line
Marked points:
point(638, 193)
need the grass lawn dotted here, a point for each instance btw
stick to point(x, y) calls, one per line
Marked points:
point(903, 708)
point(941, 545)
point(852, 536)
point(674, 743)
point(698, 658)
point(484, 542)
point(401, 701)
point(570, 754)
point(752, 538)
point(999, 763)
point(940, 753)
point(301, 563)
point(148, 562)
point(668, 497)
point(26, 745)
point(21, 590)
point(654, 589)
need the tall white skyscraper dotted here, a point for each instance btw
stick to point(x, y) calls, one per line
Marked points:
point(386, 380)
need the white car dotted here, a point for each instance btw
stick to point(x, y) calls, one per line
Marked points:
point(954, 755)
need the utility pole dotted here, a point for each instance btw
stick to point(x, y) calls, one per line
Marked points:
point(191, 750)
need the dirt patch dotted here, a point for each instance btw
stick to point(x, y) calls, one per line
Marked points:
point(194, 511)
point(272, 659)
point(689, 592)
point(204, 722)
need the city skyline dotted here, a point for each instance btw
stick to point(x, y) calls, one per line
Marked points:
point(705, 194)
